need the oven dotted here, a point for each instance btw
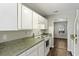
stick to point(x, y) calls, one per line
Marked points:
point(47, 45)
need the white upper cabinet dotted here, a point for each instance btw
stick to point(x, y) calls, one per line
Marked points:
point(45, 23)
point(39, 22)
point(19, 23)
point(42, 22)
point(15, 16)
point(8, 16)
point(26, 18)
point(35, 21)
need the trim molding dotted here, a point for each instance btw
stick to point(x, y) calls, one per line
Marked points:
point(60, 38)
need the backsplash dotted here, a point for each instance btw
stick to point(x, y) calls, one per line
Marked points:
point(13, 35)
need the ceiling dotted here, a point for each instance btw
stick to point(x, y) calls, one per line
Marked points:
point(47, 9)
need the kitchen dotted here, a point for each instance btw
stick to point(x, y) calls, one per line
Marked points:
point(26, 31)
point(22, 24)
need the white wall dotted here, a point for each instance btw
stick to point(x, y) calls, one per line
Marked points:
point(70, 32)
point(70, 27)
point(60, 25)
point(51, 30)
point(13, 35)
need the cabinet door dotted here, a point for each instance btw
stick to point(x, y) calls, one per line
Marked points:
point(41, 49)
point(40, 19)
point(42, 24)
point(35, 21)
point(26, 18)
point(46, 24)
point(8, 16)
point(33, 53)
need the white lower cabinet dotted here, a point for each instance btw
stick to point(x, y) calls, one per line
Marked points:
point(33, 53)
point(41, 50)
point(37, 50)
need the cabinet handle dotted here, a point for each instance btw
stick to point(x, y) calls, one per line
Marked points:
point(75, 38)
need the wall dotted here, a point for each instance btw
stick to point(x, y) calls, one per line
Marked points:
point(70, 32)
point(51, 30)
point(60, 25)
point(13, 35)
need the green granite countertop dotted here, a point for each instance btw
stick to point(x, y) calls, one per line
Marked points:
point(16, 47)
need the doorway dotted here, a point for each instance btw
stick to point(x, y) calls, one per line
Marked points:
point(60, 38)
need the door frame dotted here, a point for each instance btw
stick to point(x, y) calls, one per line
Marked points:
point(66, 28)
point(75, 33)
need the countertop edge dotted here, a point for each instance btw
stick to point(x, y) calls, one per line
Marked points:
point(29, 48)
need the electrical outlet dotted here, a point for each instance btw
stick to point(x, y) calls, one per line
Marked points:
point(4, 37)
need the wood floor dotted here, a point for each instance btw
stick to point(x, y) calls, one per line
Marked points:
point(60, 48)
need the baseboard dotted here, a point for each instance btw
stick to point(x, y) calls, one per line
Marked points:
point(70, 53)
point(60, 38)
point(51, 48)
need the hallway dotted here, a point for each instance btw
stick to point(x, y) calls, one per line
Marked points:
point(60, 48)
